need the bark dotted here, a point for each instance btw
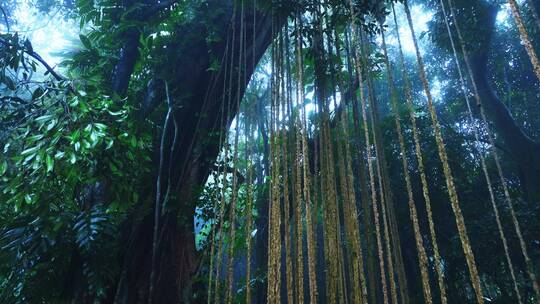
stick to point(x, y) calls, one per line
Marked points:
point(129, 52)
point(198, 120)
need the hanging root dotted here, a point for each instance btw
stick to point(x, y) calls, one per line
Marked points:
point(460, 222)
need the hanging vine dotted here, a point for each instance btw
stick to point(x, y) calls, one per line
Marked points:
point(358, 62)
point(422, 256)
point(460, 222)
point(508, 199)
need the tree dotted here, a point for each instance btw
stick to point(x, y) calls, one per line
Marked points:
point(135, 122)
point(522, 149)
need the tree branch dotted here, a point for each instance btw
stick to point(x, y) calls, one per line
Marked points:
point(46, 65)
point(36, 56)
point(5, 18)
point(129, 53)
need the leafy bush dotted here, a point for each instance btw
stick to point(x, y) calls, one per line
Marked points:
point(69, 155)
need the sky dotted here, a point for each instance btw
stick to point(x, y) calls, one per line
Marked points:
point(48, 34)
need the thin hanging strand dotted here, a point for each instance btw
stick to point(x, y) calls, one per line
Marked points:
point(452, 192)
point(274, 257)
point(362, 176)
point(285, 153)
point(271, 218)
point(357, 277)
point(343, 187)
point(235, 187)
point(380, 178)
point(523, 246)
point(422, 256)
point(250, 200)
point(225, 180)
point(222, 125)
point(481, 154)
point(343, 184)
point(418, 152)
point(298, 189)
point(249, 210)
point(359, 285)
point(369, 157)
point(301, 127)
point(159, 202)
point(331, 223)
point(342, 287)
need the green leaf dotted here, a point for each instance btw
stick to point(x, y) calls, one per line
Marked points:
point(94, 136)
point(30, 150)
point(43, 118)
point(75, 135)
point(85, 41)
point(117, 113)
point(135, 197)
point(37, 93)
point(109, 144)
point(51, 124)
point(8, 82)
point(50, 163)
point(113, 167)
point(214, 66)
point(74, 102)
point(72, 158)
point(59, 155)
point(3, 167)
point(35, 137)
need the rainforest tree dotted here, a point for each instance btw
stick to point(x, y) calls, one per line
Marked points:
point(272, 151)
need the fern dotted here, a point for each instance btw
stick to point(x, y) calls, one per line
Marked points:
point(57, 255)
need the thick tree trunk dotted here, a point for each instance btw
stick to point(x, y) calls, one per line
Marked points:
point(523, 150)
point(178, 260)
point(198, 118)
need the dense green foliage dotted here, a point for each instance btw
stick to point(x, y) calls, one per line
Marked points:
point(60, 137)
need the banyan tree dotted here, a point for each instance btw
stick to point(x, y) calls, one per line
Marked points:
point(273, 152)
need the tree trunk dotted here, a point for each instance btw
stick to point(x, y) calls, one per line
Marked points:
point(196, 149)
point(523, 150)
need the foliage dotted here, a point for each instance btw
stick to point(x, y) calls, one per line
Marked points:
point(64, 145)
